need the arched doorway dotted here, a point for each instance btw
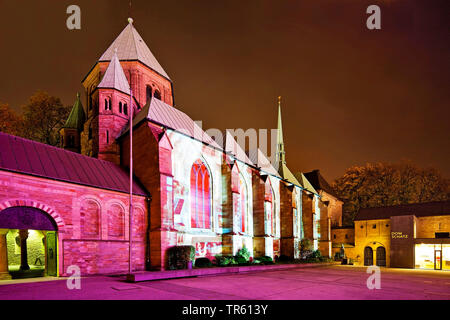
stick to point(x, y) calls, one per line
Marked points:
point(368, 256)
point(28, 240)
point(381, 257)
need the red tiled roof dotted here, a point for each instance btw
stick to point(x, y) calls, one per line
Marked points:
point(38, 159)
point(437, 208)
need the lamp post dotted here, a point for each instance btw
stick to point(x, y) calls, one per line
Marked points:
point(130, 223)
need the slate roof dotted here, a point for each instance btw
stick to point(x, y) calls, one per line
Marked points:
point(30, 157)
point(319, 182)
point(77, 116)
point(131, 46)
point(437, 208)
point(262, 162)
point(114, 77)
point(168, 116)
point(235, 149)
point(305, 182)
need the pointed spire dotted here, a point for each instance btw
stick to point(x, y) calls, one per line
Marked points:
point(281, 159)
point(131, 46)
point(114, 77)
point(76, 117)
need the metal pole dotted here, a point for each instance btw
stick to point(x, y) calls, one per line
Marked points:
point(130, 214)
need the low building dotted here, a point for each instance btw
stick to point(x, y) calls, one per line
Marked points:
point(343, 236)
point(404, 236)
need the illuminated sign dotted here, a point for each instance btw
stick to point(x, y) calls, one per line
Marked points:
point(398, 235)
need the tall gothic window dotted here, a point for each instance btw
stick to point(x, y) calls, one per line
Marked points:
point(200, 196)
point(148, 93)
point(240, 207)
point(269, 217)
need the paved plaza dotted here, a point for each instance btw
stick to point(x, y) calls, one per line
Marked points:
point(321, 282)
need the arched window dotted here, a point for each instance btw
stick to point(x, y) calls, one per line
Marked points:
point(109, 104)
point(71, 141)
point(269, 217)
point(116, 223)
point(106, 104)
point(125, 109)
point(90, 218)
point(269, 209)
point(241, 207)
point(200, 196)
point(120, 107)
point(157, 95)
point(148, 92)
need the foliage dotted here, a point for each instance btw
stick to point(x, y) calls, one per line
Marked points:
point(313, 256)
point(10, 121)
point(223, 261)
point(203, 263)
point(244, 254)
point(240, 260)
point(386, 184)
point(285, 258)
point(40, 120)
point(179, 256)
point(305, 245)
point(264, 260)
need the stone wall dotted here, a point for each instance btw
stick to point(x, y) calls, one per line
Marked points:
point(427, 226)
point(74, 205)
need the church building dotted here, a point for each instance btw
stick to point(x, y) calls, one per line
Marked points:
point(70, 206)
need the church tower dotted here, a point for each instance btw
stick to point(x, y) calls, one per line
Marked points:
point(280, 155)
point(70, 132)
point(127, 63)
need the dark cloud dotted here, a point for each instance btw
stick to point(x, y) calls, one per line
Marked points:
point(350, 95)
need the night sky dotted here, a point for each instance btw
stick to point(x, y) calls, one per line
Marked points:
point(350, 95)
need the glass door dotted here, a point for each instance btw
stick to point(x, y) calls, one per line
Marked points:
point(438, 260)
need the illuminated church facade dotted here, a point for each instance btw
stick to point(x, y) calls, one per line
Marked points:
point(188, 189)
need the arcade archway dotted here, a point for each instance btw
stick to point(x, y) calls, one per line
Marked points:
point(368, 256)
point(28, 243)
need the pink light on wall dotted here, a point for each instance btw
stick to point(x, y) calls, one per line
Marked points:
point(200, 196)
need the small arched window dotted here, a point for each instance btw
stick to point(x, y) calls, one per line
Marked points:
point(109, 104)
point(148, 92)
point(200, 196)
point(106, 104)
point(70, 141)
point(157, 95)
point(120, 107)
point(125, 109)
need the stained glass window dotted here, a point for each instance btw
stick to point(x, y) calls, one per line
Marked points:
point(200, 196)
